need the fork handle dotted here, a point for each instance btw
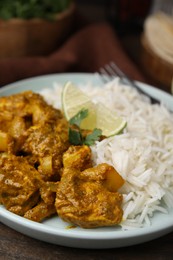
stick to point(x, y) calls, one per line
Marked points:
point(132, 83)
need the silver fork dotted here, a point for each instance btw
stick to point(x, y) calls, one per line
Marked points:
point(111, 70)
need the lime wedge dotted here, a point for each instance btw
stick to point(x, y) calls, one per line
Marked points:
point(73, 100)
point(99, 116)
point(109, 122)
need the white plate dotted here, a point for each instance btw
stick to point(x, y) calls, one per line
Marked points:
point(54, 230)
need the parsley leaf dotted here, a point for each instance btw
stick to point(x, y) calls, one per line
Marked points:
point(77, 119)
point(75, 136)
point(94, 136)
point(75, 133)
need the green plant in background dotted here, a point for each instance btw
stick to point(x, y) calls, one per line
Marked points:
point(28, 9)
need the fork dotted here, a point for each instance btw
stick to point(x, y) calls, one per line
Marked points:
point(111, 70)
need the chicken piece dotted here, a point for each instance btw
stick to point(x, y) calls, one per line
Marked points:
point(85, 197)
point(19, 184)
point(22, 191)
point(46, 207)
point(28, 105)
point(46, 145)
point(84, 200)
point(34, 129)
point(10, 106)
point(78, 157)
point(15, 106)
point(21, 111)
point(40, 212)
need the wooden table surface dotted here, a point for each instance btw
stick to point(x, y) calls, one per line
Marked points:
point(14, 245)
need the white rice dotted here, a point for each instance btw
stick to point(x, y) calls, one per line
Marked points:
point(143, 154)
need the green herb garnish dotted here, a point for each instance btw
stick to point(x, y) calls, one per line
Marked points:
point(77, 119)
point(45, 9)
point(94, 136)
point(75, 136)
point(75, 132)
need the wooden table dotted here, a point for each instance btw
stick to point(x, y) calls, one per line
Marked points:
point(14, 245)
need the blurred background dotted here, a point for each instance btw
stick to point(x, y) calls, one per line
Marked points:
point(129, 18)
point(137, 34)
point(126, 16)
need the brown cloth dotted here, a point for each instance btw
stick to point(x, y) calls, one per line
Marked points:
point(85, 51)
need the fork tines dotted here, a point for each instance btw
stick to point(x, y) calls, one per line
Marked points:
point(111, 71)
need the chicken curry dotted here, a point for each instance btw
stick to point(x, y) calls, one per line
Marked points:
point(42, 174)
